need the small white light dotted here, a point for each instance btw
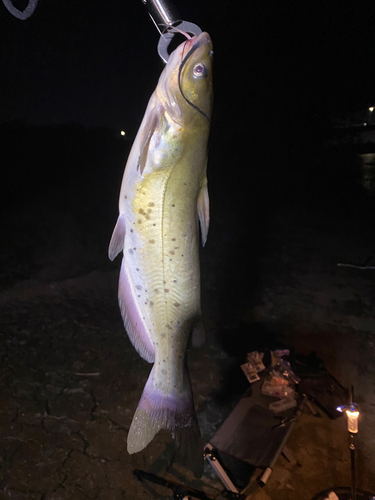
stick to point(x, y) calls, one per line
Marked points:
point(352, 415)
point(122, 132)
point(371, 109)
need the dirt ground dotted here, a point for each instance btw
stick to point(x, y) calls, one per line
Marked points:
point(70, 379)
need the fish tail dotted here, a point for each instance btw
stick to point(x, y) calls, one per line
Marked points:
point(159, 410)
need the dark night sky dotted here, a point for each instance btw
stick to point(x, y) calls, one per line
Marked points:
point(96, 63)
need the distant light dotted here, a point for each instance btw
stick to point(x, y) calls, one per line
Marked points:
point(371, 109)
point(365, 124)
point(122, 132)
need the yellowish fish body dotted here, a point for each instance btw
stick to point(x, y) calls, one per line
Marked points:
point(163, 195)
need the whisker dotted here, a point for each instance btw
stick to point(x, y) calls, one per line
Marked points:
point(174, 28)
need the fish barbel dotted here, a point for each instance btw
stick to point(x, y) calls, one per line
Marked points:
point(163, 195)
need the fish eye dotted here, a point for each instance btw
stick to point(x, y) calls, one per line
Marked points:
point(199, 70)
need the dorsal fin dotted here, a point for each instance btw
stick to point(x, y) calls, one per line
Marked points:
point(204, 209)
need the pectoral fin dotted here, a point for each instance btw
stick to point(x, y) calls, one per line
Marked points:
point(204, 210)
point(152, 125)
point(116, 244)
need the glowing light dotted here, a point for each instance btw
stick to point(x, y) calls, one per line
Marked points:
point(122, 132)
point(352, 413)
point(371, 109)
point(352, 420)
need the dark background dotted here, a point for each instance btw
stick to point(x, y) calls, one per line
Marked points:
point(96, 64)
point(75, 73)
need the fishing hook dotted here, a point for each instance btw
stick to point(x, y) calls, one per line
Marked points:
point(168, 23)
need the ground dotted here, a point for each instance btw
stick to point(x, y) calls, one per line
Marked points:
point(70, 379)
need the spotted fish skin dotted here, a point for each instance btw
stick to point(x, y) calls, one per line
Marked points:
point(163, 196)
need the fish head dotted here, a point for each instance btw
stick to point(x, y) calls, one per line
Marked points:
point(185, 86)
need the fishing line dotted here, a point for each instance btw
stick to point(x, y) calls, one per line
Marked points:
point(183, 62)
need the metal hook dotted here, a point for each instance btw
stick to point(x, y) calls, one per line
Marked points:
point(167, 37)
point(165, 19)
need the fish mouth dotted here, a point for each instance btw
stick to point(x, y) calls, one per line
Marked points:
point(191, 45)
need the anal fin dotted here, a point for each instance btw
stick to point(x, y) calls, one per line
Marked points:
point(134, 324)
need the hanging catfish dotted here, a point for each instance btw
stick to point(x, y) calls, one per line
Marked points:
point(163, 195)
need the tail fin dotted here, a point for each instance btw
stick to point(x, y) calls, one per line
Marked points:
point(159, 410)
